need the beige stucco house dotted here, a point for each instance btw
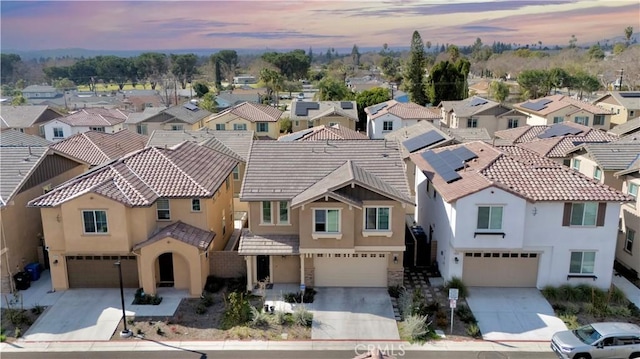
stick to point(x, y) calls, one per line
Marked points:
point(478, 112)
point(182, 117)
point(307, 114)
point(248, 116)
point(332, 214)
point(95, 148)
point(28, 168)
point(27, 119)
point(560, 108)
point(628, 247)
point(624, 105)
point(160, 211)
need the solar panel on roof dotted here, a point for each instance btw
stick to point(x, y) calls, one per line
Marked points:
point(464, 153)
point(452, 160)
point(346, 105)
point(477, 101)
point(559, 129)
point(537, 105)
point(302, 108)
point(630, 94)
point(190, 107)
point(374, 109)
point(295, 136)
point(421, 141)
point(442, 168)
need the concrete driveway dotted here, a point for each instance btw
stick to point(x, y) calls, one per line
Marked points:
point(353, 313)
point(513, 314)
point(94, 314)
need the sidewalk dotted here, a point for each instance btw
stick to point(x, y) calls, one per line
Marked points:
point(134, 344)
point(630, 291)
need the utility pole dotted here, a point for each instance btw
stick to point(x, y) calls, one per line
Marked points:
point(620, 83)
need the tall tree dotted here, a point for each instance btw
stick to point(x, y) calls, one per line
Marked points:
point(448, 81)
point(368, 98)
point(330, 89)
point(355, 56)
point(572, 41)
point(183, 67)
point(208, 102)
point(228, 62)
point(272, 80)
point(499, 91)
point(8, 64)
point(533, 83)
point(414, 75)
point(152, 66)
point(595, 53)
point(293, 65)
point(628, 32)
point(584, 82)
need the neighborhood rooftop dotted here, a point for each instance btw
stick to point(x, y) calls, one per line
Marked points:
point(612, 156)
point(418, 136)
point(16, 165)
point(546, 105)
point(324, 132)
point(96, 147)
point(20, 116)
point(252, 112)
point(239, 142)
point(95, 117)
point(15, 138)
point(406, 111)
point(312, 110)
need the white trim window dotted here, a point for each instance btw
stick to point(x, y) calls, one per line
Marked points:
point(582, 263)
point(472, 122)
point(97, 128)
point(490, 218)
point(220, 127)
point(512, 123)
point(597, 173)
point(266, 215)
point(283, 212)
point(58, 132)
point(95, 221)
point(583, 120)
point(239, 126)
point(558, 119)
point(387, 126)
point(195, 205)
point(177, 127)
point(377, 219)
point(632, 190)
point(598, 120)
point(326, 220)
point(236, 173)
point(576, 164)
point(584, 213)
point(163, 210)
point(141, 129)
point(263, 127)
point(628, 240)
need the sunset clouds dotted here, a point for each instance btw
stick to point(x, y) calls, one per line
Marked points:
point(154, 25)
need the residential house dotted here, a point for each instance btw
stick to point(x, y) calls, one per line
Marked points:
point(96, 148)
point(235, 144)
point(226, 99)
point(160, 211)
point(419, 136)
point(89, 119)
point(136, 120)
point(138, 103)
point(392, 115)
point(331, 214)
point(182, 117)
point(554, 141)
point(631, 127)
point(324, 132)
point(560, 108)
point(27, 119)
point(247, 116)
point(40, 92)
point(476, 111)
point(506, 217)
point(627, 249)
point(624, 105)
point(307, 114)
point(244, 79)
point(462, 135)
point(28, 168)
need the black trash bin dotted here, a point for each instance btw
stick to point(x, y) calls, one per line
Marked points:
point(22, 280)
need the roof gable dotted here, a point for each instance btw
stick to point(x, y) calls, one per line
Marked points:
point(96, 147)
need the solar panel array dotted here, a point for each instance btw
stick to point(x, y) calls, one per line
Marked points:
point(536, 106)
point(559, 129)
point(346, 105)
point(424, 140)
point(302, 108)
point(630, 94)
point(295, 136)
point(374, 109)
point(447, 162)
point(477, 101)
point(190, 107)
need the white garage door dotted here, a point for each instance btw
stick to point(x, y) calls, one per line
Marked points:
point(500, 269)
point(350, 270)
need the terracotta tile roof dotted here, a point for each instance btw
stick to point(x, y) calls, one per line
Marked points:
point(236, 142)
point(520, 172)
point(185, 114)
point(417, 129)
point(559, 102)
point(325, 132)
point(468, 134)
point(182, 232)
point(96, 147)
point(405, 111)
point(140, 178)
point(16, 166)
point(278, 244)
point(15, 138)
point(253, 112)
point(631, 126)
point(521, 134)
point(95, 117)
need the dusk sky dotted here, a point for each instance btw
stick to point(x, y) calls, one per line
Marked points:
point(236, 24)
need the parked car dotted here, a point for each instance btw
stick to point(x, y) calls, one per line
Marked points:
point(598, 341)
point(301, 96)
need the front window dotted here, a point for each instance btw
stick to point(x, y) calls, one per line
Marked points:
point(141, 129)
point(263, 127)
point(377, 219)
point(283, 208)
point(582, 262)
point(95, 221)
point(239, 126)
point(98, 129)
point(176, 127)
point(490, 217)
point(220, 126)
point(628, 243)
point(326, 220)
point(512, 123)
point(58, 132)
point(633, 190)
point(576, 164)
point(598, 119)
point(266, 212)
point(584, 214)
point(472, 122)
point(558, 119)
point(236, 173)
point(597, 173)
point(583, 120)
point(195, 204)
point(587, 334)
point(162, 208)
point(387, 126)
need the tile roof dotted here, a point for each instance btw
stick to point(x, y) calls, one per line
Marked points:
point(282, 170)
point(182, 232)
point(96, 116)
point(21, 116)
point(253, 112)
point(633, 167)
point(13, 137)
point(628, 102)
point(278, 244)
point(140, 178)
point(468, 134)
point(96, 147)
point(325, 108)
point(137, 117)
point(631, 126)
point(520, 172)
point(184, 114)
point(417, 129)
point(467, 107)
point(39, 88)
point(559, 102)
point(325, 132)
point(612, 156)
point(237, 141)
point(16, 166)
point(405, 111)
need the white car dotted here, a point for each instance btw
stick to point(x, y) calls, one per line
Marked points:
point(300, 96)
point(598, 341)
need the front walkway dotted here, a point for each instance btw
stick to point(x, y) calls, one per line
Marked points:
point(39, 294)
point(630, 291)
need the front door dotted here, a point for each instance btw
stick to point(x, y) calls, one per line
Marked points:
point(165, 261)
point(262, 268)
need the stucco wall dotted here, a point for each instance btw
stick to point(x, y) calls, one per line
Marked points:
point(285, 269)
point(342, 121)
point(255, 219)
point(630, 218)
point(227, 264)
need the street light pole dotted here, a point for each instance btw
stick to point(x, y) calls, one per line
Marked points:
point(125, 333)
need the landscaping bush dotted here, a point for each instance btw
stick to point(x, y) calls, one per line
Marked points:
point(213, 284)
point(395, 291)
point(259, 319)
point(238, 284)
point(551, 293)
point(571, 308)
point(419, 305)
point(456, 282)
point(570, 320)
point(141, 298)
point(282, 317)
point(3, 337)
point(301, 316)
point(465, 314)
point(635, 311)
point(296, 297)
point(617, 296)
point(237, 310)
point(201, 309)
point(416, 328)
point(473, 330)
point(620, 311)
point(405, 303)
point(206, 300)
point(442, 319)
point(37, 309)
point(569, 293)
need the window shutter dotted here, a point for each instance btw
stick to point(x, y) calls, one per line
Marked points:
point(566, 216)
point(602, 210)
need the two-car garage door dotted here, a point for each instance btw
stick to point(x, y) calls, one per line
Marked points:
point(500, 269)
point(101, 272)
point(351, 270)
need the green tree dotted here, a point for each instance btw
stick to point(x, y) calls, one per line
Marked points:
point(584, 82)
point(628, 32)
point(355, 55)
point(64, 84)
point(183, 67)
point(572, 42)
point(556, 78)
point(390, 66)
point(533, 83)
point(227, 60)
point(454, 52)
point(368, 98)
point(152, 66)
point(414, 77)
point(8, 65)
point(619, 48)
point(208, 102)
point(292, 65)
point(200, 88)
point(595, 53)
point(272, 80)
point(18, 100)
point(285, 125)
point(499, 90)
point(448, 81)
point(330, 89)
